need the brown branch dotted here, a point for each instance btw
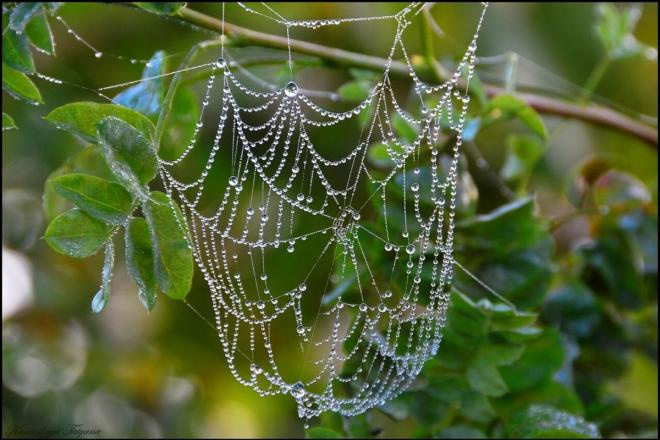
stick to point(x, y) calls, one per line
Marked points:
point(590, 113)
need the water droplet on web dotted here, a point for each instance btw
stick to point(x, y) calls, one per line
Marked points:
point(410, 249)
point(98, 54)
point(220, 63)
point(298, 390)
point(291, 89)
point(233, 180)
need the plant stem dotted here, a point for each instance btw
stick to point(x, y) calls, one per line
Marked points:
point(594, 79)
point(590, 113)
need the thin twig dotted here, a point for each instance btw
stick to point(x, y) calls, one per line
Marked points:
point(595, 114)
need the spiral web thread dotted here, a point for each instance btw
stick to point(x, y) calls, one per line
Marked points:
point(354, 354)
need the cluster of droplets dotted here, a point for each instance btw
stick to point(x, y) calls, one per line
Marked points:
point(274, 171)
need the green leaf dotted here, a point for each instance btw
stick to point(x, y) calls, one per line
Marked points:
point(505, 107)
point(322, 432)
point(172, 254)
point(146, 96)
point(484, 378)
point(7, 122)
point(22, 13)
point(76, 234)
point(522, 154)
point(510, 227)
point(541, 421)
point(460, 431)
point(499, 354)
point(88, 161)
point(104, 200)
point(573, 308)
point(140, 261)
point(19, 86)
point(404, 129)
point(476, 406)
point(546, 393)
point(355, 91)
point(543, 356)
point(132, 158)
point(179, 124)
point(166, 8)
point(466, 324)
point(81, 118)
point(16, 52)
point(101, 298)
point(38, 31)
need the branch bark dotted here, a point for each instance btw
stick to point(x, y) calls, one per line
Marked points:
point(589, 113)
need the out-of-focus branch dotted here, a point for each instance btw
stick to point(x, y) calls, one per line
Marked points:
point(595, 114)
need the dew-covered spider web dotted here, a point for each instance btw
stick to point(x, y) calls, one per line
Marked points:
point(358, 349)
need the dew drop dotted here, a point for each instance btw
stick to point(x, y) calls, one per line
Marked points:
point(291, 89)
point(410, 249)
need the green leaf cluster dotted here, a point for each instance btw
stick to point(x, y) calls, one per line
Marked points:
point(107, 183)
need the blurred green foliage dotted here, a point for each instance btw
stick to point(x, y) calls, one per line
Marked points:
point(570, 352)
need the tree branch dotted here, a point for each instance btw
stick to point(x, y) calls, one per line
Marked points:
point(596, 114)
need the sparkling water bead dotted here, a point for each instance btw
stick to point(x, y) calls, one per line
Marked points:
point(220, 63)
point(410, 249)
point(414, 187)
point(291, 89)
point(298, 390)
point(233, 180)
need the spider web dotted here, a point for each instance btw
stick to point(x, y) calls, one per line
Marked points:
point(365, 340)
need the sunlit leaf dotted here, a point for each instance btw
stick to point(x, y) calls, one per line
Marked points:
point(16, 52)
point(173, 256)
point(506, 107)
point(131, 156)
point(38, 31)
point(76, 234)
point(19, 86)
point(140, 260)
point(355, 91)
point(81, 118)
point(540, 421)
point(88, 161)
point(104, 200)
point(8, 122)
